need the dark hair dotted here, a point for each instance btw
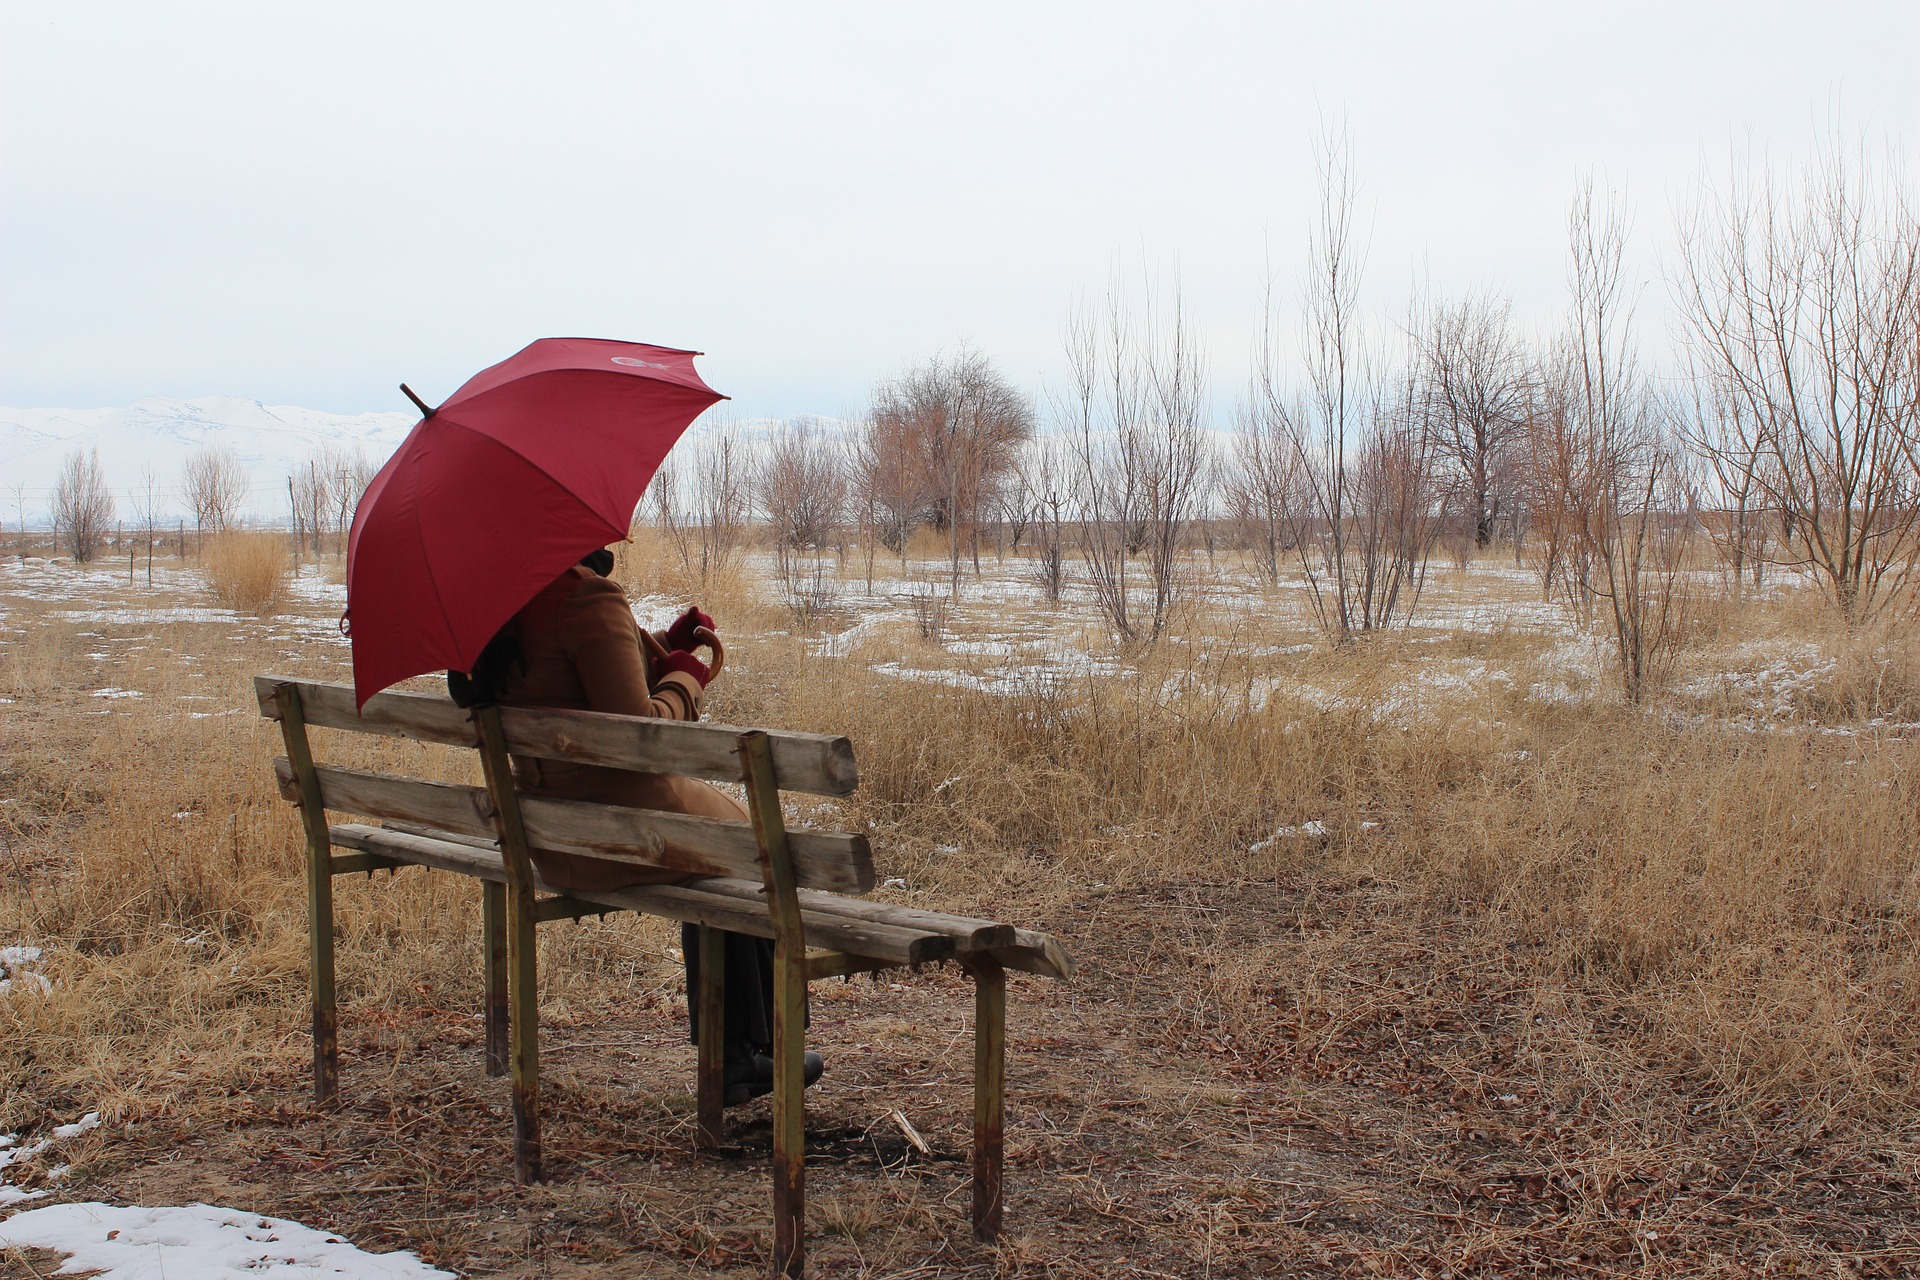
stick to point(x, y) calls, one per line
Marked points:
point(502, 658)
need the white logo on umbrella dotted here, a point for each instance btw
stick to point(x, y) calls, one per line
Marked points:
point(639, 364)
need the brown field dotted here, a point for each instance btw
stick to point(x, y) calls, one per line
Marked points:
point(1423, 957)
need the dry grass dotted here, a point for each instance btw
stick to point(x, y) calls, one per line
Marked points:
point(249, 572)
point(1423, 957)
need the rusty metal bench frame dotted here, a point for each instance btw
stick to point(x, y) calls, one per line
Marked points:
point(488, 833)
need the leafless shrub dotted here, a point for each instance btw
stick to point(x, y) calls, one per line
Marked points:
point(1134, 412)
point(1606, 468)
point(1803, 298)
point(82, 507)
point(215, 484)
point(929, 613)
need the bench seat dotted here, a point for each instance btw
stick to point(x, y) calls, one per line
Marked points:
point(880, 931)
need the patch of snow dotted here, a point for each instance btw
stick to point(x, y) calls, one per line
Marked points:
point(12, 1153)
point(117, 693)
point(841, 643)
point(1312, 828)
point(143, 617)
point(16, 969)
point(91, 1120)
point(204, 1241)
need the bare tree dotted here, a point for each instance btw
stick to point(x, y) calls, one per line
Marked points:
point(1134, 413)
point(703, 499)
point(216, 484)
point(939, 438)
point(1047, 473)
point(1605, 464)
point(803, 492)
point(1803, 299)
point(20, 517)
point(82, 506)
point(888, 474)
point(1366, 518)
point(1476, 383)
point(1263, 482)
point(146, 501)
point(349, 472)
point(1724, 436)
point(310, 494)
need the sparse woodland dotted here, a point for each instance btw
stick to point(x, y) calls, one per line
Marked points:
point(1478, 780)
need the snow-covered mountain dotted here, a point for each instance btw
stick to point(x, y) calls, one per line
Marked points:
point(155, 435)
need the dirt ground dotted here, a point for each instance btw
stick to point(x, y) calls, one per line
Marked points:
point(1402, 1132)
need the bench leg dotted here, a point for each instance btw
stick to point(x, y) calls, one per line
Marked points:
point(326, 1014)
point(989, 1096)
point(789, 1110)
point(524, 999)
point(493, 945)
point(711, 1008)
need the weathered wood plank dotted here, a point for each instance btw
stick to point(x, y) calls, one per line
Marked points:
point(1034, 952)
point(675, 902)
point(838, 964)
point(346, 864)
point(989, 1096)
point(644, 837)
point(301, 786)
point(1029, 951)
point(968, 933)
point(820, 764)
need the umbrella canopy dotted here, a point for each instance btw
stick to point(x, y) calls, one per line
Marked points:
point(526, 468)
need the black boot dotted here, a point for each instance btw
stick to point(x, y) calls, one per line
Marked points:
point(752, 1076)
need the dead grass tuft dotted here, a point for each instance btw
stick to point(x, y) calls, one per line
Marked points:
point(248, 572)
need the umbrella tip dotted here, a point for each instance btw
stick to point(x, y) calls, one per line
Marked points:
point(425, 411)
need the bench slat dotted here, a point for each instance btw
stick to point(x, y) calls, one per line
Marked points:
point(694, 902)
point(968, 934)
point(816, 763)
point(701, 846)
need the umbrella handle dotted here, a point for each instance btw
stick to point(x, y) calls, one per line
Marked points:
point(702, 638)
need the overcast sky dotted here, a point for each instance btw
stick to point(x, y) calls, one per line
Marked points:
point(308, 203)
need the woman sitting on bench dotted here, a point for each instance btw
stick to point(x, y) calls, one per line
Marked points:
point(576, 646)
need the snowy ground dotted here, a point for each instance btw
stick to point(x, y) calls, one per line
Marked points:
point(1001, 635)
point(197, 1242)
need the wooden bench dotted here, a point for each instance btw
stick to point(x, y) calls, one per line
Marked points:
point(755, 878)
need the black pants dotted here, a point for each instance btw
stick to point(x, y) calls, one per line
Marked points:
point(748, 976)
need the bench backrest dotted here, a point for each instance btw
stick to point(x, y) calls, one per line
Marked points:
point(818, 764)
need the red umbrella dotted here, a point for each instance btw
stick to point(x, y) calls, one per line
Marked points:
point(529, 466)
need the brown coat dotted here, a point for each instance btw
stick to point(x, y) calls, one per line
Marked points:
point(583, 652)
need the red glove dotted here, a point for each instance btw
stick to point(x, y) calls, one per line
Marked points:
point(682, 661)
point(680, 634)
